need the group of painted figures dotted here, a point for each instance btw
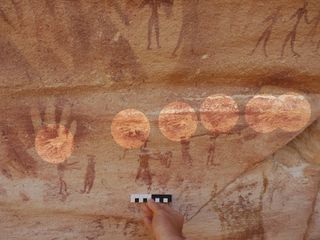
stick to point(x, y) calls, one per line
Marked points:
point(298, 16)
point(190, 23)
point(144, 172)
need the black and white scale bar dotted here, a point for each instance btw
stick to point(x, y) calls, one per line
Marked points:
point(158, 198)
point(162, 198)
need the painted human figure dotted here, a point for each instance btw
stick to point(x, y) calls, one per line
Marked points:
point(145, 155)
point(118, 9)
point(123, 154)
point(154, 18)
point(61, 168)
point(166, 158)
point(153, 21)
point(316, 23)
point(299, 14)
point(190, 24)
point(4, 147)
point(90, 174)
point(63, 189)
point(273, 19)
point(144, 174)
point(211, 152)
point(185, 146)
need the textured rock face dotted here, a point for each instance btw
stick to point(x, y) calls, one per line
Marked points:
point(68, 67)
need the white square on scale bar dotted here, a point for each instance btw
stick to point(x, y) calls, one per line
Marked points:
point(157, 200)
point(165, 200)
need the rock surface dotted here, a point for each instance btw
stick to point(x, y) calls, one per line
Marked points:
point(77, 64)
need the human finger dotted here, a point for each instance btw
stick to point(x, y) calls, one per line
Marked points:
point(73, 128)
point(148, 223)
point(146, 210)
point(165, 207)
point(35, 118)
point(50, 113)
point(65, 115)
point(154, 207)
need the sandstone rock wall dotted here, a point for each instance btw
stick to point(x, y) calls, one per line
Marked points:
point(78, 63)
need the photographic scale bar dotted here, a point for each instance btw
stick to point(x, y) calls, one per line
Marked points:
point(158, 198)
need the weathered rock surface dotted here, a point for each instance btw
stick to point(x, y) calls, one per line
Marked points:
point(93, 57)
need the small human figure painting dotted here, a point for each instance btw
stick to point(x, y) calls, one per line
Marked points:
point(313, 31)
point(265, 36)
point(185, 147)
point(144, 172)
point(90, 174)
point(61, 168)
point(154, 22)
point(291, 36)
point(211, 152)
point(190, 26)
point(166, 158)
